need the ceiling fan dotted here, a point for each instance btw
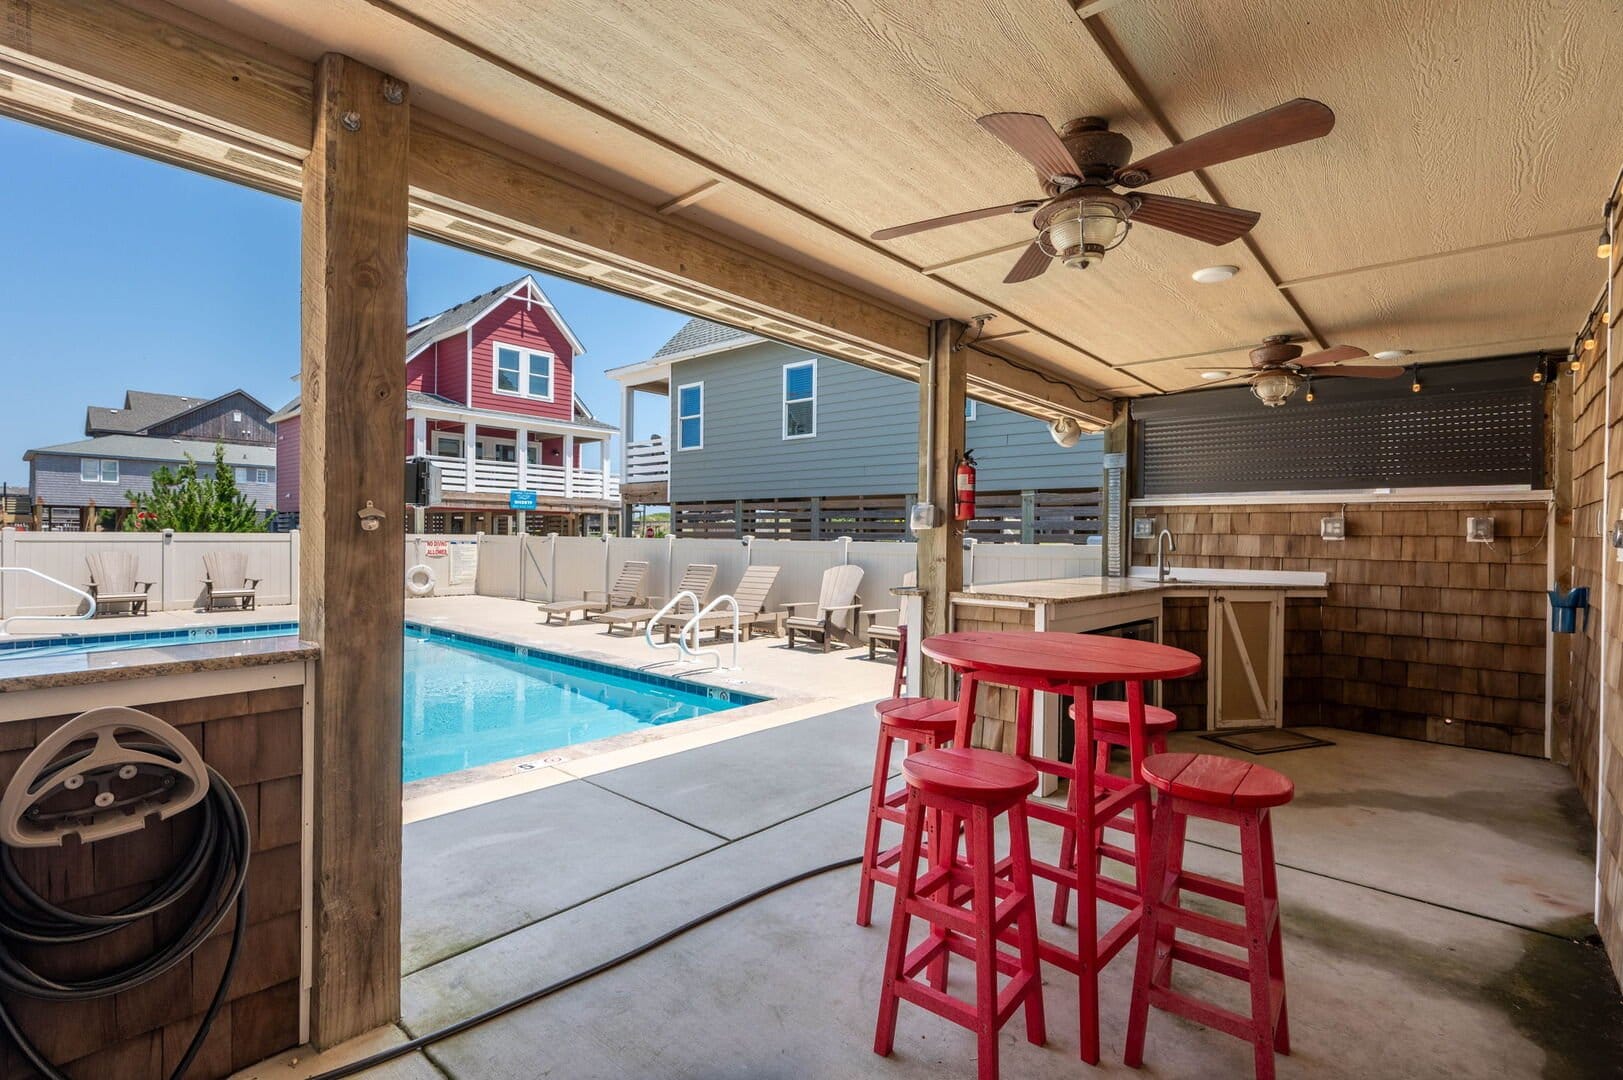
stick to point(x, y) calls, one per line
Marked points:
point(1278, 368)
point(1081, 217)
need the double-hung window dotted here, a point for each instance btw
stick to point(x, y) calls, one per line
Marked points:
point(261, 476)
point(241, 474)
point(690, 416)
point(98, 470)
point(523, 372)
point(800, 400)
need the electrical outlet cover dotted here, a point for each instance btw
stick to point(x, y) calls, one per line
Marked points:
point(1143, 528)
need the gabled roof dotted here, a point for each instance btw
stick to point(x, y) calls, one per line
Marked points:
point(700, 336)
point(141, 410)
point(454, 320)
point(239, 392)
point(153, 448)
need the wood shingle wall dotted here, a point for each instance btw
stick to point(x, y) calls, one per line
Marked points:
point(1609, 815)
point(254, 739)
point(1423, 635)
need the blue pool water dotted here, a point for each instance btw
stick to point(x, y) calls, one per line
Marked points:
point(67, 645)
point(469, 700)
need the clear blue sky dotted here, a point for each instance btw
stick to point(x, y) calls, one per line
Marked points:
point(123, 273)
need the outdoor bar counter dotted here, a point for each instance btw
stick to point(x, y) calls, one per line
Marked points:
point(1243, 645)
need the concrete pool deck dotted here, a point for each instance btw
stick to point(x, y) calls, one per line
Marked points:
point(1435, 906)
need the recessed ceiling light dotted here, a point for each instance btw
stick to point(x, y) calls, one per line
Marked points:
point(1210, 375)
point(1210, 275)
point(1391, 354)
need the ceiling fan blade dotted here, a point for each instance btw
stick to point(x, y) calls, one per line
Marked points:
point(1032, 262)
point(1359, 372)
point(1293, 122)
point(953, 219)
point(1333, 355)
point(1033, 138)
point(1189, 217)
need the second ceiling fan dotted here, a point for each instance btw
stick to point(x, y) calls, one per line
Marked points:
point(1081, 216)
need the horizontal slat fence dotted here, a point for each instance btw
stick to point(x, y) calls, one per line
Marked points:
point(1002, 517)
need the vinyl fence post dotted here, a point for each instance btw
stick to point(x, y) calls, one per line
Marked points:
point(552, 562)
point(166, 568)
point(969, 570)
point(293, 566)
point(8, 557)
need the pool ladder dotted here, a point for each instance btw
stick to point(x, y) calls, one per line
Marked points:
point(88, 613)
point(686, 654)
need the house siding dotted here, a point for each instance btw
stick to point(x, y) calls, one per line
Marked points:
point(56, 483)
point(866, 441)
point(287, 465)
point(213, 423)
point(528, 325)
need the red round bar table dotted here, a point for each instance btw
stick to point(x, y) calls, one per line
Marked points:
point(1033, 661)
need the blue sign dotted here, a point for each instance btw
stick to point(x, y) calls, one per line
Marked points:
point(521, 500)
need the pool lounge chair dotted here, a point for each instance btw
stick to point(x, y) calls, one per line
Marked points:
point(226, 580)
point(751, 594)
point(888, 633)
point(628, 590)
point(697, 579)
point(835, 610)
point(113, 584)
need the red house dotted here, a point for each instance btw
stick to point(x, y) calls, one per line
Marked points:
point(490, 396)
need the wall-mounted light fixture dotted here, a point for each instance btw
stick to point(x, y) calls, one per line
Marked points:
point(1603, 247)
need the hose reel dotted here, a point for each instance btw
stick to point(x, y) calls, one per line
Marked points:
point(107, 773)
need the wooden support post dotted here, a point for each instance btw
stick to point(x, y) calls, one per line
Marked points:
point(1028, 517)
point(941, 443)
point(1558, 428)
point(351, 597)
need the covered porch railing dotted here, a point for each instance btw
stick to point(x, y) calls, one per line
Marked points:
point(500, 477)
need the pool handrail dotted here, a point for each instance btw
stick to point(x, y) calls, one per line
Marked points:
point(693, 625)
point(90, 613)
point(680, 644)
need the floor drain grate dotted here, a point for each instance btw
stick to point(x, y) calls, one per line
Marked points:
point(1267, 740)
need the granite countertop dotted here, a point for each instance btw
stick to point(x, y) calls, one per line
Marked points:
point(79, 669)
point(1071, 590)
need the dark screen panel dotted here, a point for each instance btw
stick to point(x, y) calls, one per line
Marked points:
point(1474, 423)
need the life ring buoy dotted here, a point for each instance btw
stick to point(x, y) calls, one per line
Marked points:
point(420, 580)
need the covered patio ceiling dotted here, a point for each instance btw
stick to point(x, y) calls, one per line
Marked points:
point(1452, 212)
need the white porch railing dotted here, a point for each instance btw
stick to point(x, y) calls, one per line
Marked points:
point(500, 477)
point(647, 463)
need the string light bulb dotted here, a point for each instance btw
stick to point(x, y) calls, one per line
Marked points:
point(1589, 344)
point(1538, 372)
point(1309, 395)
point(1414, 373)
point(1603, 247)
point(1574, 363)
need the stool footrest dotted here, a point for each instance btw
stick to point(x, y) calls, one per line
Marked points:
point(1216, 888)
point(1201, 1012)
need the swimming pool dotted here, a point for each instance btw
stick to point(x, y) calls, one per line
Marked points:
point(469, 700)
point(472, 701)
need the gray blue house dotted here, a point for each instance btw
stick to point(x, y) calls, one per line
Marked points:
point(71, 482)
point(769, 439)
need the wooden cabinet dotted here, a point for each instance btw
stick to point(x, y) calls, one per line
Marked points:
point(1245, 658)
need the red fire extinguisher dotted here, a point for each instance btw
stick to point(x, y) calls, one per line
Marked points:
point(964, 488)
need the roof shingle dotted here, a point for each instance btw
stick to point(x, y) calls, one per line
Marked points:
point(697, 334)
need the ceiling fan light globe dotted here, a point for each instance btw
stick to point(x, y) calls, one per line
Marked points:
point(1273, 388)
point(1066, 431)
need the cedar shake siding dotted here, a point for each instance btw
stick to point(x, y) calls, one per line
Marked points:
point(866, 441)
point(56, 482)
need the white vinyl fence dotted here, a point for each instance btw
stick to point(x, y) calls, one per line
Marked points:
point(543, 568)
point(173, 562)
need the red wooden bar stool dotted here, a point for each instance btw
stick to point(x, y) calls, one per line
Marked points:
point(1111, 727)
point(972, 787)
point(1241, 794)
point(920, 724)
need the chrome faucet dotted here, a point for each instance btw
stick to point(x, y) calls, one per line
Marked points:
point(1160, 556)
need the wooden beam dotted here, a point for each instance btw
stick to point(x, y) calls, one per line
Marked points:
point(351, 600)
point(703, 191)
point(941, 445)
point(630, 247)
point(1048, 396)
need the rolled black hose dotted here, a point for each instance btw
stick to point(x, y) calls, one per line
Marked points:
point(215, 869)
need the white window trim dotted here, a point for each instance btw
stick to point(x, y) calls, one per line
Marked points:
point(261, 476)
point(440, 437)
point(969, 409)
point(526, 358)
point(679, 417)
point(100, 475)
point(784, 395)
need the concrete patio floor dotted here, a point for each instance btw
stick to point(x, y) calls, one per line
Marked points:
point(1435, 909)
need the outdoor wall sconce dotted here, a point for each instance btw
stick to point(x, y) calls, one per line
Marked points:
point(1333, 528)
point(1479, 530)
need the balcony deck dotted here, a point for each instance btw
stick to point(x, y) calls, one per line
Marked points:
point(547, 481)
